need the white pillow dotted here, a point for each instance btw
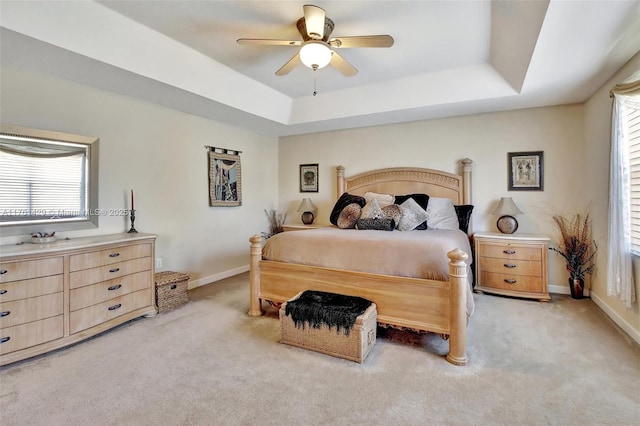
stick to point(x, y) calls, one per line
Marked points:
point(441, 214)
point(382, 199)
point(372, 210)
point(412, 215)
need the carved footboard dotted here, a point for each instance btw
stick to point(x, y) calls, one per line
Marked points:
point(419, 304)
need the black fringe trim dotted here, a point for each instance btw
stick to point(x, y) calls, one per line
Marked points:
point(334, 310)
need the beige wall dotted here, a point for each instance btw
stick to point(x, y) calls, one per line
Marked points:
point(159, 152)
point(598, 148)
point(440, 144)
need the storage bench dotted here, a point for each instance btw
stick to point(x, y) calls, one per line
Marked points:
point(171, 290)
point(352, 343)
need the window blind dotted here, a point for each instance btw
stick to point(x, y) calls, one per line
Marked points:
point(36, 188)
point(633, 139)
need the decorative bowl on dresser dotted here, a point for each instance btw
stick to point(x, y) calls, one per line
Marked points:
point(53, 295)
point(512, 265)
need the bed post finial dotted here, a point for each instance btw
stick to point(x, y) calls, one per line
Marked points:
point(466, 180)
point(340, 176)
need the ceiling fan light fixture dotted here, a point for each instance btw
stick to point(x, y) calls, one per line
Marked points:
point(315, 54)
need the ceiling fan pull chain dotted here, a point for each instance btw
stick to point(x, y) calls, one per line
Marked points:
point(315, 83)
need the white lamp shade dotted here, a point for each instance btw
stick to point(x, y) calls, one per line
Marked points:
point(315, 54)
point(307, 206)
point(507, 207)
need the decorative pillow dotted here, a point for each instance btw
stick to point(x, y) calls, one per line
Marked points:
point(382, 199)
point(392, 211)
point(421, 199)
point(348, 216)
point(344, 200)
point(412, 215)
point(463, 212)
point(371, 210)
point(441, 214)
point(381, 224)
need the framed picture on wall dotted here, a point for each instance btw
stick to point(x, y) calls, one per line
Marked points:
point(308, 178)
point(526, 171)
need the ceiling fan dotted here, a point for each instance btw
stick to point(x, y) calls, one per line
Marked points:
point(316, 48)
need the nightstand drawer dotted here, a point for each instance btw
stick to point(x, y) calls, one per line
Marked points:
point(512, 267)
point(525, 283)
point(510, 251)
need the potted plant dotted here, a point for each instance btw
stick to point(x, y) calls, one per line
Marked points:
point(577, 248)
point(276, 220)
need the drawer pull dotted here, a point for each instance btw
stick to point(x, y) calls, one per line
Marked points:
point(114, 287)
point(510, 281)
point(3, 291)
point(509, 265)
point(5, 339)
point(4, 314)
point(114, 270)
point(114, 255)
point(3, 271)
point(114, 307)
point(509, 251)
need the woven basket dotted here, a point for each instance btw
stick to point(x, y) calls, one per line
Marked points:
point(171, 290)
point(355, 346)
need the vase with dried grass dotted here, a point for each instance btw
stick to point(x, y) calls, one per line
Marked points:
point(276, 222)
point(578, 249)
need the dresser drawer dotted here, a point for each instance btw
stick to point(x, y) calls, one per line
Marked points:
point(510, 251)
point(525, 283)
point(102, 312)
point(32, 309)
point(30, 334)
point(25, 269)
point(96, 293)
point(511, 267)
point(103, 273)
point(16, 290)
point(108, 257)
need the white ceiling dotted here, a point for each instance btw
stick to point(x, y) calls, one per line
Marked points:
point(449, 57)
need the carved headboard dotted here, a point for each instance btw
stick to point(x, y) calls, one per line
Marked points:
point(410, 180)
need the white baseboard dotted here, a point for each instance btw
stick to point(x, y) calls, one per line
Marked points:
point(217, 277)
point(633, 333)
point(563, 289)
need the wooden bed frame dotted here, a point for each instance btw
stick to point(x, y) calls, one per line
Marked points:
point(412, 303)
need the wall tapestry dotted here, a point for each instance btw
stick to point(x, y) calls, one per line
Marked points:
point(225, 177)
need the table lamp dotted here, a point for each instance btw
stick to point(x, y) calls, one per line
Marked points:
point(507, 209)
point(307, 207)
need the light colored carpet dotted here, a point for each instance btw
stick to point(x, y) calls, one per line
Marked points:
point(561, 363)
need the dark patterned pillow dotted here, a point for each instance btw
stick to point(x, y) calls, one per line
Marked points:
point(421, 199)
point(392, 211)
point(348, 216)
point(381, 224)
point(344, 200)
point(464, 216)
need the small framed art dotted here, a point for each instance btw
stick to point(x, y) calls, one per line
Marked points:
point(526, 171)
point(308, 178)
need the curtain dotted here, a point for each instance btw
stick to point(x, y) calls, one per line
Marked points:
point(620, 280)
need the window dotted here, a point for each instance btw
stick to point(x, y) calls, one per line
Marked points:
point(624, 191)
point(48, 181)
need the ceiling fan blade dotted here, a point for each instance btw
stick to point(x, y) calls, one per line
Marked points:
point(342, 65)
point(268, 42)
point(314, 21)
point(286, 68)
point(362, 41)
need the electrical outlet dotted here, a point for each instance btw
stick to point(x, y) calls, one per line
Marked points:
point(158, 262)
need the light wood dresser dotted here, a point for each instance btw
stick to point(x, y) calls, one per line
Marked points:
point(56, 294)
point(512, 264)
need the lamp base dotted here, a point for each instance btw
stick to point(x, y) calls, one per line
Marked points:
point(507, 224)
point(307, 218)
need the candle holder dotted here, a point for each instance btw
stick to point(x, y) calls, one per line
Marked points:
point(133, 219)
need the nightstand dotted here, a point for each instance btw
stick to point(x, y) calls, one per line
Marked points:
point(512, 264)
point(300, 227)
